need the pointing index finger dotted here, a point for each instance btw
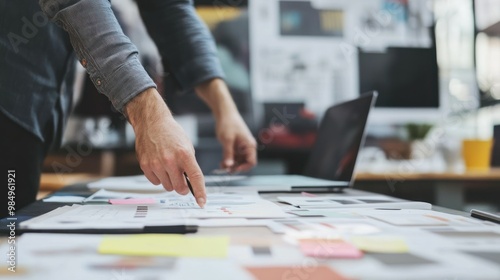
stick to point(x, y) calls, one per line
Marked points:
point(196, 184)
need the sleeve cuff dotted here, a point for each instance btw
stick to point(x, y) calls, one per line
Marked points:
point(127, 82)
point(199, 70)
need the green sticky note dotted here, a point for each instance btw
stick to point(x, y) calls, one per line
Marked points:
point(380, 244)
point(171, 245)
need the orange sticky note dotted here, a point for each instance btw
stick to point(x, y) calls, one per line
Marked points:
point(321, 272)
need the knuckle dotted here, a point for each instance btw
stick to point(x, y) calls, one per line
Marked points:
point(253, 143)
point(146, 164)
point(166, 158)
point(242, 149)
point(197, 175)
point(226, 138)
point(155, 164)
point(184, 152)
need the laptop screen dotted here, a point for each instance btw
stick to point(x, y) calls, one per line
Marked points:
point(340, 136)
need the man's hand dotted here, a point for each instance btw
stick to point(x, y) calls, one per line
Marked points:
point(239, 146)
point(163, 149)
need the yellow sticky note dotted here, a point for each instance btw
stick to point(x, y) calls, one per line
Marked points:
point(172, 245)
point(380, 244)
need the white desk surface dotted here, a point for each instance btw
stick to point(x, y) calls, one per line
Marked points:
point(442, 262)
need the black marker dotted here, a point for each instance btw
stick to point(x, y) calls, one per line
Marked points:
point(482, 215)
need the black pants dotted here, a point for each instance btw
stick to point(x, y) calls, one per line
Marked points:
point(23, 153)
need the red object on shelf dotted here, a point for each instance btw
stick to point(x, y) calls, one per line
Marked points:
point(279, 137)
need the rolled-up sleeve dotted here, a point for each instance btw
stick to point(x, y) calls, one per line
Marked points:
point(185, 44)
point(109, 57)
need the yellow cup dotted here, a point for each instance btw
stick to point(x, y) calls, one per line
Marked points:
point(477, 154)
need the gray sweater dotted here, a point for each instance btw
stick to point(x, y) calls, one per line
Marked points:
point(37, 57)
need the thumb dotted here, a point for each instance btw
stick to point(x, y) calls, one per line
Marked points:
point(228, 153)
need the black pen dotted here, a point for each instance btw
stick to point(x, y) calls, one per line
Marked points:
point(189, 184)
point(203, 201)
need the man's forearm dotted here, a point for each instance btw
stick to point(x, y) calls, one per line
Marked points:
point(146, 107)
point(238, 144)
point(216, 95)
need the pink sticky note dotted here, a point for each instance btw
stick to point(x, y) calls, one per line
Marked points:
point(319, 248)
point(132, 201)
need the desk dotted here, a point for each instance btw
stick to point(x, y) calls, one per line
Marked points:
point(262, 236)
point(449, 188)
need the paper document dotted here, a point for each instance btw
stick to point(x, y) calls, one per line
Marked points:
point(117, 197)
point(329, 213)
point(122, 194)
point(174, 210)
point(320, 227)
point(133, 201)
point(65, 199)
point(352, 202)
point(417, 217)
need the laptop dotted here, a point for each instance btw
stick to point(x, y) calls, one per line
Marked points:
point(333, 157)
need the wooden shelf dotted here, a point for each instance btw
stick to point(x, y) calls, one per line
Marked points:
point(490, 175)
point(53, 181)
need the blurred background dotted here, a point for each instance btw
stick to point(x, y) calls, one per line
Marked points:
point(433, 62)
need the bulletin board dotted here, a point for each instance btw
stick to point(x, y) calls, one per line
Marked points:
point(306, 50)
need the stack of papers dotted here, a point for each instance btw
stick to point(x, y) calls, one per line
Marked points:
point(140, 210)
point(116, 197)
point(354, 243)
point(315, 237)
